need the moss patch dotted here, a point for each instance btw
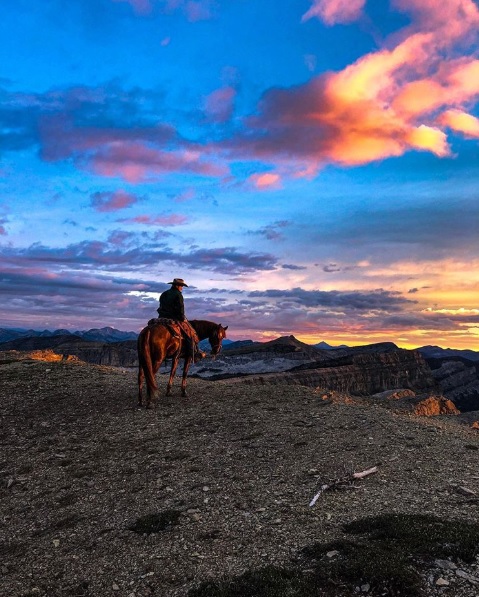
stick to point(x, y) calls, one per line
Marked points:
point(270, 581)
point(387, 554)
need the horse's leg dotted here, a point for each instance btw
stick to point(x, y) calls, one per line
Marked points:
point(174, 365)
point(141, 377)
point(186, 366)
point(153, 392)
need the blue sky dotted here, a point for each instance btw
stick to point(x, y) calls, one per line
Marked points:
point(309, 168)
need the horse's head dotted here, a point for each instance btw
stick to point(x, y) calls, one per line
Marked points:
point(216, 338)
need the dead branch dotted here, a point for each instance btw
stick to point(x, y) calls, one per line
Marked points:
point(346, 482)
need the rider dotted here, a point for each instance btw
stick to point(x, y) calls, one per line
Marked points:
point(172, 306)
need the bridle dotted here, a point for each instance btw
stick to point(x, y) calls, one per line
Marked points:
point(215, 340)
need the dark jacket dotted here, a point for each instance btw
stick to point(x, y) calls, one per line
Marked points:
point(172, 305)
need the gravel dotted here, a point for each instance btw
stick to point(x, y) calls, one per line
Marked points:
point(237, 465)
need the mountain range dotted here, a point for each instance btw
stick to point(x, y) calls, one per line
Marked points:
point(110, 335)
point(106, 334)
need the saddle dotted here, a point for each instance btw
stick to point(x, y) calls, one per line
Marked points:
point(171, 325)
point(183, 330)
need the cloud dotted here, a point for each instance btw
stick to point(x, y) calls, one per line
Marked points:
point(272, 231)
point(3, 230)
point(265, 181)
point(375, 300)
point(436, 229)
point(335, 11)
point(186, 195)
point(460, 121)
point(293, 267)
point(126, 253)
point(104, 129)
point(219, 104)
point(383, 105)
point(147, 220)
point(112, 200)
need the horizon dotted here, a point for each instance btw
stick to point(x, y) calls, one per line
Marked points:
point(229, 339)
point(308, 168)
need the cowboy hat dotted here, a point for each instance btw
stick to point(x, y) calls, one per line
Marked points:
point(178, 282)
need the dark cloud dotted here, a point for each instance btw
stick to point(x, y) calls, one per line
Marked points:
point(375, 300)
point(293, 267)
point(433, 229)
point(108, 201)
point(118, 254)
point(331, 267)
point(272, 231)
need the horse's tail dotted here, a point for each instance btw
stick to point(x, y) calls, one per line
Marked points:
point(146, 364)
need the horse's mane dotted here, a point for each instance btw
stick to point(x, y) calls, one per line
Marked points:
point(203, 327)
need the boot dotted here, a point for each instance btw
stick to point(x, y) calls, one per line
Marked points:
point(199, 354)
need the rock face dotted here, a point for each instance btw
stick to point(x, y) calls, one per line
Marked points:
point(435, 405)
point(361, 374)
point(459, 379)
point(115, 354)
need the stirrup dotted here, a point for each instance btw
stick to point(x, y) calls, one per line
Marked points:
point(199, 355)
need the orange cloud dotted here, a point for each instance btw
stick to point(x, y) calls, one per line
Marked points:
point(385, 103)
point(461, 122)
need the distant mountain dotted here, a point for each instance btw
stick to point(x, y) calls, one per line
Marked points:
point(436, 352)
point(325, 346)
point(106, 334)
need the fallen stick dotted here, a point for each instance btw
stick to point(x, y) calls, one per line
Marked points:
point(344, 482)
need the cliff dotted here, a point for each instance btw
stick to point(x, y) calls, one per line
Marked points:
point(116, 354)
point(459, 379)
point(359, 374)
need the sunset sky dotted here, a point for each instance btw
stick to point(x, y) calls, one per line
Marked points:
point(309, 167)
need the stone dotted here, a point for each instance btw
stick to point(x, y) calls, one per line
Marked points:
point(331, 554)
point(469, 577)
point(435, 405)
point(445, 564)
point(442, 582)
point(115, 587)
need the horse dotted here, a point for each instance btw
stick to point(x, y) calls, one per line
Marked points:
point(156, 342)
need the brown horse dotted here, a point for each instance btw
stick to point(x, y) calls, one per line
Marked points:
point(157, 343)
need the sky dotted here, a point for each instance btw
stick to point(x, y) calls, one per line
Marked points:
point(307, 167)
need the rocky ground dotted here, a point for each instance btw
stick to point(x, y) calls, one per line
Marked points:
point(228, 474)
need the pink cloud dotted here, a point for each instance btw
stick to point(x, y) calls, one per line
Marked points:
point(171, 220)
point(135, 162)
point(335, 11)
point(267, 180)
point(219, 104)
point(186, 195)
point(107, 201)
